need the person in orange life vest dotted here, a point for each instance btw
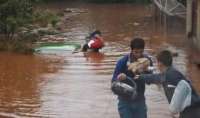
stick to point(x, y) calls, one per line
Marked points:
point(95, 42)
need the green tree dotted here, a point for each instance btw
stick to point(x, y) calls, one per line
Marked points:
point(13, 15)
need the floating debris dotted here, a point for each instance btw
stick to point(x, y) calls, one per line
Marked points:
point(75, 10)
point(56, 47)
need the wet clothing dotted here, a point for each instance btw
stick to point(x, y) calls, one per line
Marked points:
point(169, 78)
point(191, 112)
point(133, 110)
point(127, 107)
point(94, 43)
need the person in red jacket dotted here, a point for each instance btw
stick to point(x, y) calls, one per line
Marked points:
point(95, 42)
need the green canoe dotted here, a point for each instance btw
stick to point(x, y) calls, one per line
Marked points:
point(57, 46)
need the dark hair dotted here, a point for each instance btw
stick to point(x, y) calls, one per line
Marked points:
point(95, 32)
point(165, 57)
point(137, 43)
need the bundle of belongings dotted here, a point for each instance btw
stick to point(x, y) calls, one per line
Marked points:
point(141, 63)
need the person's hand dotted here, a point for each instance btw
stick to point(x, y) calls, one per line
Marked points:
point(137, 77)
point(121, 77)
point(175, 115)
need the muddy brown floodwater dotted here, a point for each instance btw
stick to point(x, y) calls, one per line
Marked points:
point(77, 85)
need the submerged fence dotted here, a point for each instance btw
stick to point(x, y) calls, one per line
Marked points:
point(171, 7)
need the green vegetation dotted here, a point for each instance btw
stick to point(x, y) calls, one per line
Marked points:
point(120, 1)
point(104, 1)
point(43, 18)
point(18, 21)
point(14, 14)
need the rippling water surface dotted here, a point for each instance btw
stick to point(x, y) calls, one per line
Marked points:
point(62, 84)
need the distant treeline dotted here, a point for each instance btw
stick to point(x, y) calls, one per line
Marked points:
point(105, 1)
point(109, 1)
point(119, 1)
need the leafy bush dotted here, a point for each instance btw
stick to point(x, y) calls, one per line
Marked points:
point(15, 19)
point(43, 18)
point(14, 14)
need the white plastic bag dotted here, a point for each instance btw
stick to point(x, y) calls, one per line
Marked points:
point(181, 97)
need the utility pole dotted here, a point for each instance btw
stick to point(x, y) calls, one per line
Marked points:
point(189, 17)
point(198, 25)
point(193, 23)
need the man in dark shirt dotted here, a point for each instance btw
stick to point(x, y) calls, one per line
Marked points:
point(169, 77)
point(131, 108)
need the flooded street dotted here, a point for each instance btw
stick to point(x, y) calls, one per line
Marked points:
point(64, 84)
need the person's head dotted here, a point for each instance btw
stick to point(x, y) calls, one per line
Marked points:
point(165, 60)
point(137, 47)
point(95, 33)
